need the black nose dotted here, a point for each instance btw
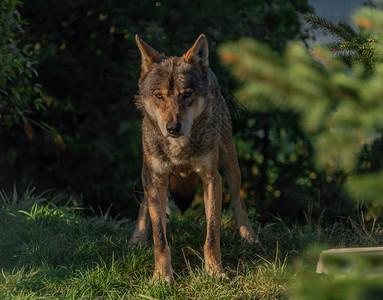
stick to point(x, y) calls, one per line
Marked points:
point(174, 127)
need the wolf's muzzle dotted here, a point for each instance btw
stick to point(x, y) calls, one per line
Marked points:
point(174, 128)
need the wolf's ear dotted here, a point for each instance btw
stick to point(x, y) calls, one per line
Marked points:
point(149, 56)
point(199, 53)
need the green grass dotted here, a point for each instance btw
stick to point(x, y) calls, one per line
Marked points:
point(50, 251)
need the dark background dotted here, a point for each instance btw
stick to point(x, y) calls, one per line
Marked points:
point(88, 64)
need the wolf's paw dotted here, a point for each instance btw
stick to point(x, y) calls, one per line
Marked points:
point(248, 234)
point(165, 278)
point(219, 274)
point(141, 239)
point(222, 276)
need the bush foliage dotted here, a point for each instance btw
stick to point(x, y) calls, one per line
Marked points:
point(17, 69)
point(21, 97)
point(339, 109)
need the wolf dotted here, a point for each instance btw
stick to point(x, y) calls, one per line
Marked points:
point(186, 133)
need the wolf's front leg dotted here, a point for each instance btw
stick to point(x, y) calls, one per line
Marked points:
point(155, 191)
point(212, 185)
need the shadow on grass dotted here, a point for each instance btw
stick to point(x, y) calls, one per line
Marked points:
point(52, 251)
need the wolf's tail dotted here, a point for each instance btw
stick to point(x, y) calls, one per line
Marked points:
point(183, 189)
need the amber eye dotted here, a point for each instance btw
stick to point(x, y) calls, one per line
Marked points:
point(158, 96)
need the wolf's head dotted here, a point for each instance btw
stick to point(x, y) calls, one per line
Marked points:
point(173, 90)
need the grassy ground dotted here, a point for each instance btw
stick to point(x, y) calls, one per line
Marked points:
point(52, 252)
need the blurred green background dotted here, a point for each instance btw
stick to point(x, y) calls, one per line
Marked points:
point(88, 66)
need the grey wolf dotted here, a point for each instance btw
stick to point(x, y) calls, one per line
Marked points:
point(186, 133)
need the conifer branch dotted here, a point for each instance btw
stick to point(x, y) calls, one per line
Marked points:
point(350, 31)
point(330, 26)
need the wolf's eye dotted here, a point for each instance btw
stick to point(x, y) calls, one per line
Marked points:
point(188, 94)
point(158, 96)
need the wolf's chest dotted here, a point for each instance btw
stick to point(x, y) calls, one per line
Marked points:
point(179, 148)
point(179, 156)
